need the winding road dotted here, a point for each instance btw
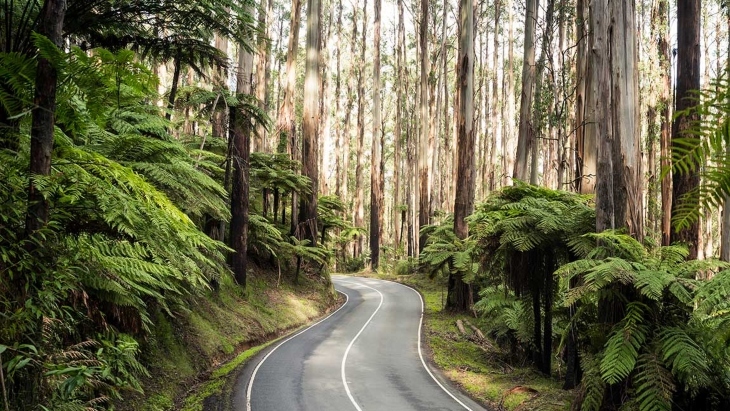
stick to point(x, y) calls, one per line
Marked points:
point(365, 356)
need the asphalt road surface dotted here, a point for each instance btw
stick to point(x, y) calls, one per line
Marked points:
point(365, 356)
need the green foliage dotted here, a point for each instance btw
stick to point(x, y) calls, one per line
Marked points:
point(278, 171)
point(121, 240)
point(263, 237)
point(622, 348)
point(659, 345)
point(446, 253)
point(524, 218)
point(405, 267)
point(509, 317)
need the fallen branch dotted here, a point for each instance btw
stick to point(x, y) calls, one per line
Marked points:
point(460, 326)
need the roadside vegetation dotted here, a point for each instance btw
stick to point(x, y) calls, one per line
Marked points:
point(566, 317)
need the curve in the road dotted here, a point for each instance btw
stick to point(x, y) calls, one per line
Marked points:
point(369, 342)
point(249, 388)
point(420, 351)
point(349, 347)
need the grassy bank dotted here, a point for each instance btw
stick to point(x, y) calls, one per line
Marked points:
point(480, 367)
point(190, 357)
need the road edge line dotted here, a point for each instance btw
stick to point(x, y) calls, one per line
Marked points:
point(249, 387)
point(347, 351)
point(420, 351)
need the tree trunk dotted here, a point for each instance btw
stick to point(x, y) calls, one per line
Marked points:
point(310, 121)
point(286, 127)
point(43, 119)
point(509, 105)
point(30, 391)
point(262, 70)
point(349, 105)
point(526, 133)
point(173, 87)
point(495, 120)
point(398, 132)
point(459, 293)
point(613, 107)
point(359, 186)
point(323, 124)
point(725, 224)
point(215, 228)
point(586, 144)
point(241, 130)
point(376, 177)
point(338, 90)
point(422, 152)
point(613, 118)
point(688, 79)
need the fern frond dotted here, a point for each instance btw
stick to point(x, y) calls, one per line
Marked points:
point(681, 354)
point(653, 383)
point(622, 349)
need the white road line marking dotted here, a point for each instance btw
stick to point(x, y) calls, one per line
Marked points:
point(420, 352)
point(256, 370)
point(347, 351)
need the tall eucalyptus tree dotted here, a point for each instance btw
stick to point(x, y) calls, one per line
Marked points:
point(459, 292)
point(310, 120)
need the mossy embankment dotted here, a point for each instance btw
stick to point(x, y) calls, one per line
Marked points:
point(480, 367)
point(191, 357)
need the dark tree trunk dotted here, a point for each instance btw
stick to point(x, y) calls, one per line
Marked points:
point(265, 202)
point(173, 88)
point(688, 79)
point(537, 325)
point(239, 196)
point(43, 122)
point(30, 391)
point(283, 209)
point(275, 211)
point(573, 373)
point(547, 344)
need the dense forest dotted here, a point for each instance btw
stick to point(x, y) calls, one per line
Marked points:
point(562, 165)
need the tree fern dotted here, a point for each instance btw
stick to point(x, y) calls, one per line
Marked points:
point(659, 345)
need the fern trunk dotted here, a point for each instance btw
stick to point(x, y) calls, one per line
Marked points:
point(537, 356)
point(573, 373)
point(275, 211)
point(547, 340)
